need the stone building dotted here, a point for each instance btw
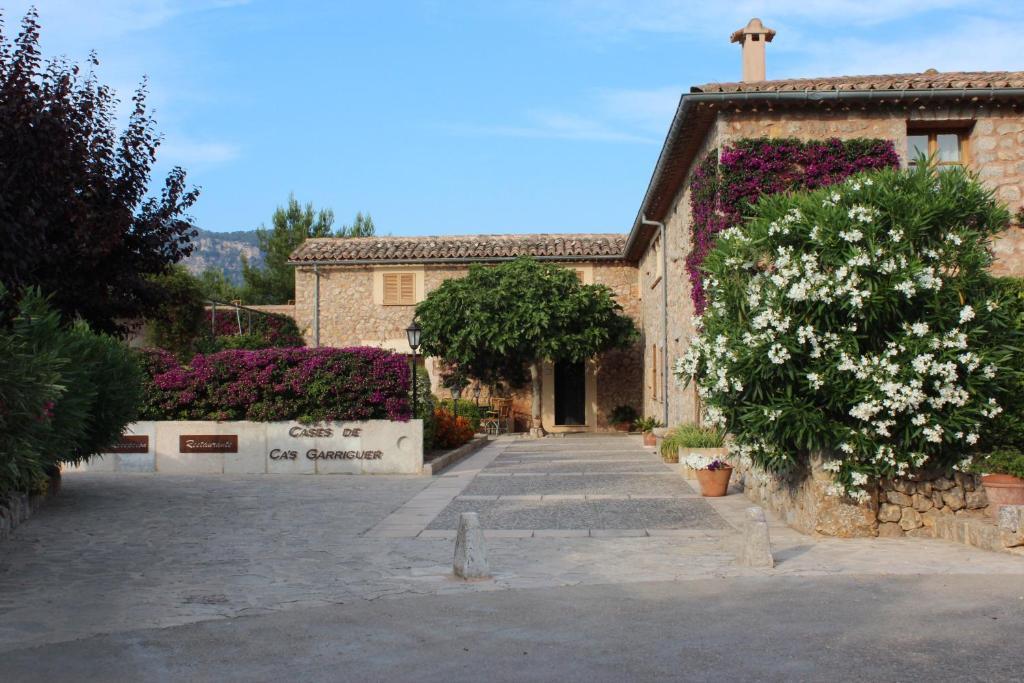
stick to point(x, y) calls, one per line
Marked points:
point(969, 118)
point(975, 119)
point(363, 291)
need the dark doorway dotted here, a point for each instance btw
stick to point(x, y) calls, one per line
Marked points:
point(570, 394)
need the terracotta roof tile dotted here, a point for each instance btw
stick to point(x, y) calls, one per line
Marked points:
point(928, 80)
point(459, 247)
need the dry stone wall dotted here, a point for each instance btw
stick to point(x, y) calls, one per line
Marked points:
point(913, 507)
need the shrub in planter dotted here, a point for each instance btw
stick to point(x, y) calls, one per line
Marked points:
point(451, 431)
point(712, 473)
point(859, 320)
point(623, 417)
point(690, 436)
point(647, 425)
point(1002, 476)
point(358, 383)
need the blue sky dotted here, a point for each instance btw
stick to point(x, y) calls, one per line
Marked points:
point(449, 117)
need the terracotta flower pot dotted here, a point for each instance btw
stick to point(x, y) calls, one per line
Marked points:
point(650, 439)
point(1002, 489)
point(714, 483)
point(622, 426)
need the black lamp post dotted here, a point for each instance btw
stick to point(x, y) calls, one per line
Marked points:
point(412, 334)
point(456, 392)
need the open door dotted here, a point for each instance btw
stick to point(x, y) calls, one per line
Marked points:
point(570, 394)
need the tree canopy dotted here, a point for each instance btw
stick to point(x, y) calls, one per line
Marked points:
point(499, 321)
point(76, 216)
point(290, 226)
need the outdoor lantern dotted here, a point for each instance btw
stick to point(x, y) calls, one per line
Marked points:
point(456, 393)
point(476, 394)
point(412, 333)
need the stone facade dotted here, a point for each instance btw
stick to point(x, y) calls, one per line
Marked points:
point(682, 403)
point(352, 314)
point(994, 149)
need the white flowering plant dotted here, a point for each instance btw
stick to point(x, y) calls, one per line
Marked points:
point(858, 320)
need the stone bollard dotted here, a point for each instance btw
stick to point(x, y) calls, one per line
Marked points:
point(757, 547)
point(470, 549)
point(1011, 525)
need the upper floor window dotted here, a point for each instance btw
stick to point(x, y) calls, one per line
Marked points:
point(946, 147)
point(399, 289)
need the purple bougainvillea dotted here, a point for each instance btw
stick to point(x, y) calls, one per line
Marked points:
point(358, 383)
point(724, 187)
point(265, 331)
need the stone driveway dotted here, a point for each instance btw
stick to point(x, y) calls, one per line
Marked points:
point(117, 552)
point(585, 485)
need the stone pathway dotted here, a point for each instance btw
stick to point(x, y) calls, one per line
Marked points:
point(579, 486)
point(116, 552)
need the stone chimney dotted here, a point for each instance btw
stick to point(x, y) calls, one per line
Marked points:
point(752, 37)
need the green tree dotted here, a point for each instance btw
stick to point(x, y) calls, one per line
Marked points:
point(291, 225)
point(362, 226)
point(178, 322)
point(216, 286)
point(498, 320)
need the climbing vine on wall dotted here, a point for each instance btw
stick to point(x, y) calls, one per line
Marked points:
point(724, 188)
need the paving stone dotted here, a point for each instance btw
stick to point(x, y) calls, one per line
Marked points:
point(520, 514)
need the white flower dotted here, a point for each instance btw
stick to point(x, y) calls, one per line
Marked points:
point(919, 329)
point(815, 380)
point(895, 234)
point(933, 434)
point(778, 354)
point(966, 314)
point(971, 438)
point(861, 213)
point(846, 447)
point(851, 235)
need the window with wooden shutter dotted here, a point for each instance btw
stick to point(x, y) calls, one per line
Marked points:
point(399, 289)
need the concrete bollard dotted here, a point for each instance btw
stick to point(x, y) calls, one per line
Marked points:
point(757, 547)
point(470, 549)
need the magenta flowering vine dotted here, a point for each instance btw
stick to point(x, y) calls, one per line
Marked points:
point(357, 383)
point(267, 331)
point(725, 186)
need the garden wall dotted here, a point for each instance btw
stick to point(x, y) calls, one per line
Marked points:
point(901, 507)
point(243, 447)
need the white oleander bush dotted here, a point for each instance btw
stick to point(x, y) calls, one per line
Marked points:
point(859, 320)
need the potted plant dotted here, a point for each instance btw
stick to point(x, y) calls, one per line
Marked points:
point(1002, 476)
point(623, 417)
point(713, 474)
point(691, 439)
point(647, 425)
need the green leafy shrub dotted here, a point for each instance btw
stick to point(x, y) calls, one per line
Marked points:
point(647, 424)
point(66, 393)
point(466, 408)
point(690, 436)
point(176, 324)
point(1004, 461)
point(424, 407)
point(859, 320)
